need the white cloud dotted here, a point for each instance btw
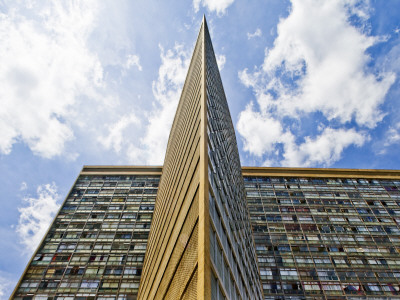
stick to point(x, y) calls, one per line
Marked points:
point(323, 149)
point(218, 6)
point(46, 66)
point(260, 131)
point(391, 61)
point(392, 136)
point(257, 33)
point(23, 186)
point(331, 60)
point(151, 133)
point(115, 138)
point(6, 286)
point(37, 215)
point(318, 64)
point(221, 60)
point(133, 60)
point(166, 90)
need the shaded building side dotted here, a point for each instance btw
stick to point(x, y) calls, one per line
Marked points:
point(234, 272)
point(332, 234)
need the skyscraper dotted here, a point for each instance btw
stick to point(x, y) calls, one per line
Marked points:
point(277, 233)
point(200, 242)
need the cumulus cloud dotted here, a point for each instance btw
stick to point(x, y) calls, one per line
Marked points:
point(323, 149)
point(36, 216)
point(23, 186)
point(262, 134)
point(257, 33)
point(166, 90)
point(6, 286)
point(45, 66)
point(55, 67)
point(152, 132)
point(330, 60)
point(115, 138)
point(260, 131)
point(221, 60)
point(392, 136)
point(133, 60)
point(391, 61)
point(318, 64)
point(218, 6)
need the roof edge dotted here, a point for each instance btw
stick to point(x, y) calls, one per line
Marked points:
point(320, 172)
point(253, 171)
point(121, 170)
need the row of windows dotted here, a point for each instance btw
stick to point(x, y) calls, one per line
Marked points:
point(111, 199)
point(94, 241)
point(329, 288)
point(326, 274)
point(33, 285)
point(326, 236)
point(328, 240)
point(80, 296)
point(340, 195)
point(77, 271)
point(317, 202)
point(354, 257)
point(290, 217)
point(118, 184)
point(72, 208)
point(323, 229)
point(323, 181)
point(234, 260)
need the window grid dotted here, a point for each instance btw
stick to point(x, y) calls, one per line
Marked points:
point(319, 238)
point(97, 243)
point(330, 237)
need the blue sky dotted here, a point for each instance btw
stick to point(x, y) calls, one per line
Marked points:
point(309, 83)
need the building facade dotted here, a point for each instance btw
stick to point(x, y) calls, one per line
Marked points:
point(319, 234)
point(326, 233)
point(200, 244)
point(203, 227)
point(96, 246)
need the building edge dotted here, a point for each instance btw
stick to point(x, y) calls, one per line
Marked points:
point(44, 237)
point(320, 172)
point(253, 171)
point(203, 259)
point(90, 170)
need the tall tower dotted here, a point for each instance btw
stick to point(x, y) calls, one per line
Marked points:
point(200, 244)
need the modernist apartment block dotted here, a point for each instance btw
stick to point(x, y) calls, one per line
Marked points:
point(203, 227)
point(318, 233)
point(326, 233)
